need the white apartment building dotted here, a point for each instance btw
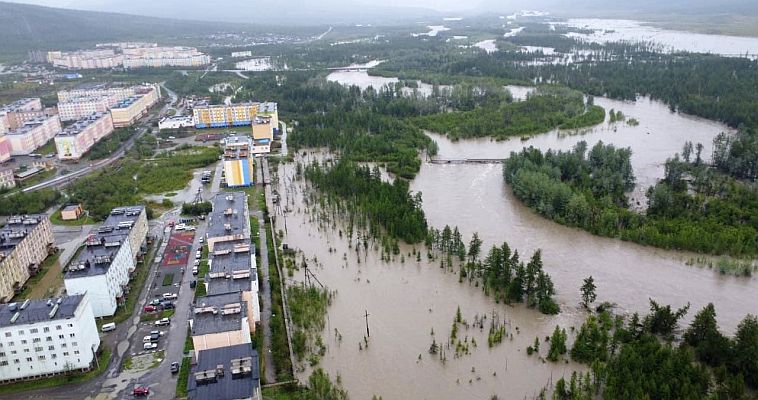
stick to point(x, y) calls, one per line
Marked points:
point(24, 243)
point(14, 115)
point(103, 266)
point(77, 139)
point(33, 134)
point(239, 54)
point(82, 107)
point(40, 338)
point(85, 59)
point(97, 90)
point(176, 56)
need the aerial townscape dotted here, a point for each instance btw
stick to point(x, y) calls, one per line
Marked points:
point(354, 199)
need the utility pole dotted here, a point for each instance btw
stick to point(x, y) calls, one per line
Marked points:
point(368, 333)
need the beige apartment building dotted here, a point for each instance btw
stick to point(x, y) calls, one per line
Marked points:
point(131, 109)
point(33, 134)
point(74, 141)
point(25, 242)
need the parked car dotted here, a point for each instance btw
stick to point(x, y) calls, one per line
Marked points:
point(174, 367)
point(167, 305)
point(180, 227)
point(169, 296)
point(150, 346)
point(197, 263)
point(162, 322)
point(147, 339)
point(202, 240)
point(194, 270)
point(150, 308)
point(193, 284)
point(108, 327)
point(155, 302)
point(159, 333)
point(141, 391)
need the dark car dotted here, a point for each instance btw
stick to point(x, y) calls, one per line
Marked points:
point(167, 305)
point(174, 367)
point(193, 284)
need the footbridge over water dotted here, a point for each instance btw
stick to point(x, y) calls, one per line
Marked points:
point(466, 161)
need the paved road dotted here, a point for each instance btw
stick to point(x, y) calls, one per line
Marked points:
point(268, 358)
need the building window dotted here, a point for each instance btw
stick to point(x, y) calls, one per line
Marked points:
point(33, 330)
point(38, 349)
point(36, 340)
point(51, 347)
point(26, 350)
point(16, 361)
point(23, 341)
point(61, 336)
point(7, 334)
point(54, 356)
point(13, 352)
point(49, 339)
point(63, 345)
point(76, 351)
point(3, 363)
point(2, 354)
point(41, 358)
point(10, 343)
point(58, 327)
point(46, 329)
point(65, 354)
point(21, 332)
point(29, 359)
point(70, 325)
point(72, 335)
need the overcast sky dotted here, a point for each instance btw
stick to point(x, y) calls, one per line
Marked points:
point(439, 5)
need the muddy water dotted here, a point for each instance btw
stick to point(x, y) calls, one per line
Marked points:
point(406, 300)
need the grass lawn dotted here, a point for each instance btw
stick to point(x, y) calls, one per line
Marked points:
point(33, 289)
point(168, 280)
point(103, 360)
point(181, 381)
point(154, 316)
point(55, 219)
point(47, 148)
point(39, 177)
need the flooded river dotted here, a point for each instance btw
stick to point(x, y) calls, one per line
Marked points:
point(407, 300)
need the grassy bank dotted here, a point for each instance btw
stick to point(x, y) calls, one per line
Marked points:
point(280, 348)
point(30, 285)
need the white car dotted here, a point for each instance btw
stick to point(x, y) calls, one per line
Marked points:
point(150, 346)
point(169, 296)
point(162, 322)
point(147, 339)
point(180, 227)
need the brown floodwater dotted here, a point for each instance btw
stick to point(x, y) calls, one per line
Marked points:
point(406, 300)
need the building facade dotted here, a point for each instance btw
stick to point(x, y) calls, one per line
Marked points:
point(116, 92)
point(34, 134)
point(238, 161)
point(40, 338)
point(74, 141)
point(126, 112)
point(25, 242)
point(82, 107)
point(85, 59)
point(219, 116)
point(5, 148)
point(155, 57)
point(16, 114)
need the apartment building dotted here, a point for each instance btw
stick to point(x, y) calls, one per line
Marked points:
point(219, 320)
point(238, 161)
point(14, 115)
point(229, 221)
point(74, 141)
point(115, 91)
point(85, 59)
point(41, 338)
point(175, 122)
point(270, 109)
point(82, 107)
point(232, 269)
point(225, 373)
point(33, 134)
point(5, 148)
point(219, 116)
point(240, 54)
point(155, 57)
point(7, 180)
point(126, 112)
point(25, 242)
point(102, 267)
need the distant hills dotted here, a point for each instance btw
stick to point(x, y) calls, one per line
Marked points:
point(27, 27)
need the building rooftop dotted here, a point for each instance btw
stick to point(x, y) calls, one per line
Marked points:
point(267, 107)
point(218, 313)
point(236, 147)
point(16, 105)
point(31, 124)
point(101, 247)
point(228, 215)
point(33, 311)
point(231, 268)
point(225, 373)
point(125, 103)
point(84, 99)
point(97, 86)
point(72, 207)
point(16, 230)
point(204, 104)
point(80, 124)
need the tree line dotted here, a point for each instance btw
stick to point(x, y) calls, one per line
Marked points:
point(588, 190)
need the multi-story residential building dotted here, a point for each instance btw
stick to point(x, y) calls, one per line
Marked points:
point(238, 161)
point(177, 56)
point(33, 134)
point(133, 218)
point(128, 111)
point(270, 109)
point(14, 115)
point(117, 92)
point(6, 178)
point(82, 107)
point(229, 220)
point(217, 116)
point(263, 135)
point(41, 338)
point(5, 148)
point(232, 269)
point(85, 59)
point(126, 45)
point(77, 139)
point(219, 320)
point(225, 373)
point(25, 242)
point(102, 267)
